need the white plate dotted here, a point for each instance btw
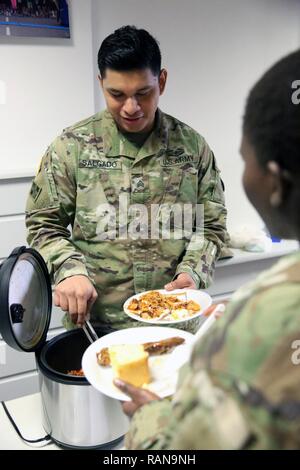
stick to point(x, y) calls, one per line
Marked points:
point(164, 379)
point(202, 298)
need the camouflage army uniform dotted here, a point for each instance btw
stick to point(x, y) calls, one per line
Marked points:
point(91, 164)
point(241, 389)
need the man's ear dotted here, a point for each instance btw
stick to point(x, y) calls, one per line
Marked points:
point(100, 79)
point(162, 80)
point(276, 195)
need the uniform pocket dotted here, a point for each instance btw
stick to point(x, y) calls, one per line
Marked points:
point(172, 181)
point(97, 203)
point(180, 183)
point(178, 205)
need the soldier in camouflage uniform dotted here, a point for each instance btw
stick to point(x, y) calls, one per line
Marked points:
point(241, 387)
point(130, 154)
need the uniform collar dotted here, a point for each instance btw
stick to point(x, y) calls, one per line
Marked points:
point(116, 144)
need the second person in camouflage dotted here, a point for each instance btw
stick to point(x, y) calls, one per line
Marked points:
point(241, 387)
point(130, 159)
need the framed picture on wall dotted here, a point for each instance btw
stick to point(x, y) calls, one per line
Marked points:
point(34, 18)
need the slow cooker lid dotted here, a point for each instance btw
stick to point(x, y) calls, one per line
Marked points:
point(25, 299)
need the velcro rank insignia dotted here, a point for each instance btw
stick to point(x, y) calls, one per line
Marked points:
point(101, 164)
point(137, 184)
point(35, 191)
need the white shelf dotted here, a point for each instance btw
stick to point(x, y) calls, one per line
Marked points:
point(21, 174)
point(278, 249)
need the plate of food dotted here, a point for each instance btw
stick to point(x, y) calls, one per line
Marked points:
point(140, 356)
point(181, 307)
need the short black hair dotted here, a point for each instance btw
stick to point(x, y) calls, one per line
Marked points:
point(272, 118)
point(129, 48)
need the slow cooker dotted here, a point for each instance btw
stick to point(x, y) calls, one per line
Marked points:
point(75, 415)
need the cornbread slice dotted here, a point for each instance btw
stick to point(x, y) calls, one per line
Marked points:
point(130, 363)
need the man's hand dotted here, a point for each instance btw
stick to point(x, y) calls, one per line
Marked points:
point(211, 309)
point(139, 397)
point(75, 295)
point(183, 281)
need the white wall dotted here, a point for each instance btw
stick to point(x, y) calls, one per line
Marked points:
point(49, 85)
point(214, 50)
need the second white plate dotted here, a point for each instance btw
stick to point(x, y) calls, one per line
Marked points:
point(164, 381)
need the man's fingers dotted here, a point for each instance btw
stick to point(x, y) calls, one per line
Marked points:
point(73, 318)
point(126, 388)
point(75, 295)
point(137, 394)
point(73, 309)
point(81, 304)
point(82, 309)
point(56, 299)
point(69, 307)
point(92, 300)
point(63, 302)
point(94, 295)
point(129, 408)
point(84, 314)
point(183, 281)
point(171, 286)
point(209, 310)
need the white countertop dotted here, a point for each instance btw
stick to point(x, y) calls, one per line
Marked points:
point(27, 414)
point(278, 249)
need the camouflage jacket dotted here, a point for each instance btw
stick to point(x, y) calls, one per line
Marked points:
point(88, 178)
point(241, 389)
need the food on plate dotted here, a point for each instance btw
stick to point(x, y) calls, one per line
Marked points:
point(130, 363)
point(155, 347)
point(163, 346)
point(76, 372)
point(157, 306)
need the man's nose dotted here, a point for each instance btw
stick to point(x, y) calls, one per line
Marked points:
point(131, 106)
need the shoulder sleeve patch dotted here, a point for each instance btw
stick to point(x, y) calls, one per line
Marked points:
point(35, 191)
